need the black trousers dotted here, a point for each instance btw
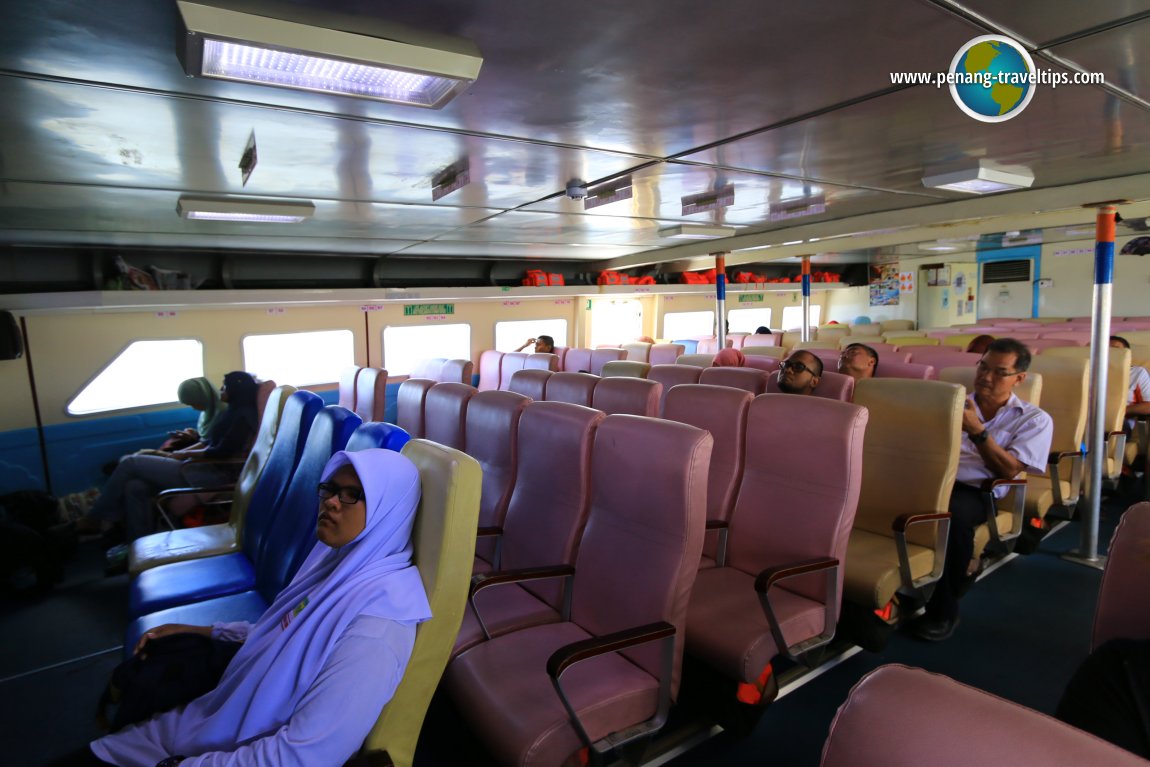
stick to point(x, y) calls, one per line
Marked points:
point(967, 511)
point(1109, 695)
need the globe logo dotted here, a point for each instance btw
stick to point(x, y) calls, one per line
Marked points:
point(992, 78)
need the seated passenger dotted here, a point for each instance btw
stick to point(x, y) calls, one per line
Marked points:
point(762, 330)
point(729, 358)
point(316, 669)
point(198, 394)
point(979, 344)
point(1004, 437)
point(543, 345)
point(799, 373)
point(858, 361)
point(1109, 695)
point(1139, 400)
point(127, 496)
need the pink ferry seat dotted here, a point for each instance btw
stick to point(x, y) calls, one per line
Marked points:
point(768, 364)
point(542, 361)
point(371, 394)
point(898, 716)
point(673, 375)
point(347, 387)
point(520, 692)
point(409, 405)
point(1123, 609)
point(561, 353)
point(576, 388)
point(637, 351)
point(445, 413)
point(943, 357)
point(600, 357)
point(762, 339)
point(895, 369)
point(779, 590)
point(830, 357)
point(530, 383)
point(628, 396)
point(831, 386)
point(511, 363)
point(577, 361)
point(428, 368)
point(491, 438)
point(722, 411)
point(747, 378)
point(665, 354)
point(543, 524)
point(456, 371)
point(490, 362)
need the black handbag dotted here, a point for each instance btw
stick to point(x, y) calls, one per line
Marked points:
point(171, 671)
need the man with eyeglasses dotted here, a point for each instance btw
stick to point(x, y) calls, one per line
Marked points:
point(799, 373)
point(858, 361)
point(1002, 438)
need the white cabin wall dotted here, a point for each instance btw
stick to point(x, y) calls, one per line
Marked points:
point(844, 305)
point(1071, 266)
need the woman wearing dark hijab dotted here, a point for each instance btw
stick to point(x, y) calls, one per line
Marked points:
point(315, 670)
point(128, 493)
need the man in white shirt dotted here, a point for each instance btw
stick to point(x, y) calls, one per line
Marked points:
point(1002, 438)
point(1139, 400)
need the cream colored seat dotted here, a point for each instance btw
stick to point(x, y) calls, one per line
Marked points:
point(1065, 397)
point(627, 368)
point(910, 458)
point(902, 341)
point(896, 325)
point(1117, 392)
point(777, 352)
point(866, 331)
point(698, 360)
point(444, 545)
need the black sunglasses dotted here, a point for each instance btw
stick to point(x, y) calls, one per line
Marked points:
point(797, 366)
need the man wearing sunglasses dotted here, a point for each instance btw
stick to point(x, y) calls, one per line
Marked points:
point(1002, 438)
point(799, 373)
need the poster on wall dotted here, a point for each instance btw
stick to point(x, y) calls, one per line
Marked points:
point(884, 285)
point(906, 282)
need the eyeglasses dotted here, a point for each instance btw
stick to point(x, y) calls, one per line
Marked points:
point(347, 494)
point(982, 367)
point(796, 366)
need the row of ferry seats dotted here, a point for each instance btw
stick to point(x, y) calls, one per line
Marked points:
point(496, 368)
point(651, 353)
point(363, 391)
point(443, 370)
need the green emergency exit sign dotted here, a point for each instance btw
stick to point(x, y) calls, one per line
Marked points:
point(751, 298)
point(418, 310)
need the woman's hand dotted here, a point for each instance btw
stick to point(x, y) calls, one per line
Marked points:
point(168, 629)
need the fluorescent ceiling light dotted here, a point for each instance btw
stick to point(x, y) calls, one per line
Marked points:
point(982, 177)
point(697, 232)
point(258, 211)
point(397, 68)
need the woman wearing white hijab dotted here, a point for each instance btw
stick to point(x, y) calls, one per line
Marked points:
point(318, 666)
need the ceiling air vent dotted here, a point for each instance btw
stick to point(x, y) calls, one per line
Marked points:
point(1006, 271)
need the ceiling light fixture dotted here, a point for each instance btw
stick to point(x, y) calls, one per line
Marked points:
point(396, 67)
point(697, 232)
point(257, 211)
point(982, 177)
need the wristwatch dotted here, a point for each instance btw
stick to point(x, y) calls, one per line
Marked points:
point(981, 437)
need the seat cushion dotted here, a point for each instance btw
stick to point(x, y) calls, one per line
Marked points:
point(246, 606)
point(872, 576)
point(728, 630)
point(195, 580)
point(504, 608)
point(502, 687)
point(982, 533)
point(177, 545)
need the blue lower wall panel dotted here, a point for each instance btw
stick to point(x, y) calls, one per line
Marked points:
point(20, 464)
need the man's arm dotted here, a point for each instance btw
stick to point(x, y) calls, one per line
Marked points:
point(1004, 465)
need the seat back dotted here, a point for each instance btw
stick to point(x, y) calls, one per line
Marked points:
point(866, 330)
point(292, 533)
point(831, 386)
point(445, 413)
point(1123, 608)
point(708, 346)
point(737, 339)
point(347, 387)
point(776, 352)
point(577, 361)
point(913, 342)
point(530, 383)
point(376, 434)
point(259, 455)
point(748, 379)
point(787, 437)
point(409, 404)
point(630, 396)
point(371, 394)
point(561, 353)
point(443, 543)
point(832, 333)
point(600, 357)
point(647, 534)
point(895, 369)
point(944, 357)
point(828, 355)
point(673, 375)
point(490, 362)
point(456, 371)
point(541, 361)
point(637, 351)
point(756, 340)
point(896, 325)
point(492, 439)
point(665, 354)
point(576, 388)
point(263, 393)
point(295, 422)
point(1040, 345)
point(698, 360)
point(552, 494)
point(1029, 390)
point(511, 363)
point(722, 412)
point(1117, 380)
point(625, 368)
point(764, 363)
point(428, 368)
point(947, 724)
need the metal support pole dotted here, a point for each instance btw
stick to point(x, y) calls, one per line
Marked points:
point(721, 299)
point(806, 336)
point(1090, 503)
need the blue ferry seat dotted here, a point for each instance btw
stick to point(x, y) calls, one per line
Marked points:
point(200, 579)
point(289, 542)
point(276, 449)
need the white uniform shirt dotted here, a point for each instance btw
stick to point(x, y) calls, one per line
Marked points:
point(1021, 429)
point(1139, 385)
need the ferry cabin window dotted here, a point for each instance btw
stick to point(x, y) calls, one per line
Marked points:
point(793, 316)
point(405, 345)
point(145, 373)
point(299, 359)
point(615, 322)
point(688, 324)
point(511, 334)
point(749, 320)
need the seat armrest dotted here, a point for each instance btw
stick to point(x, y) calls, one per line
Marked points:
point(724, 529)
point(904, 522)
point(1057, 455)
point(483, 581)
point(1016, 513)
point(166, 498)
point(576, 652)
point(772, 575)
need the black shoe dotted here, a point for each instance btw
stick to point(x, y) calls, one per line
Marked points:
point(934, 629)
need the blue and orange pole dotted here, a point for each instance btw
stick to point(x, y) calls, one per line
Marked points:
point(721, 299)
point(806, 335)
